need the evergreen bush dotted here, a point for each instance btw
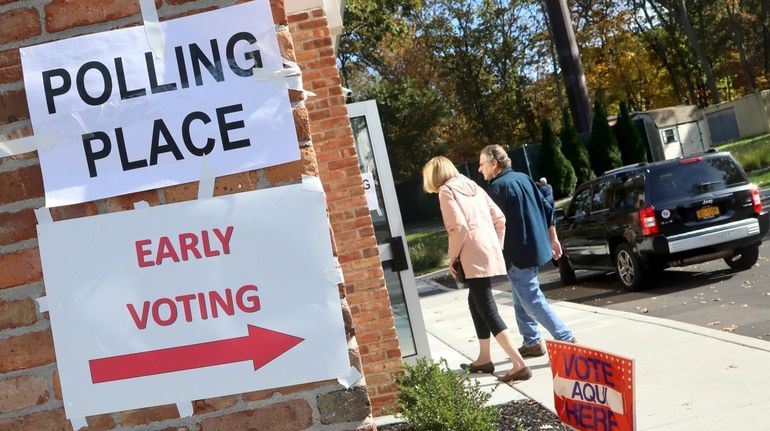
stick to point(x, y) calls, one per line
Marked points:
point(553, 165)
point(630, 144)
point(434, 398)
point(574, 150)
point(603, 147)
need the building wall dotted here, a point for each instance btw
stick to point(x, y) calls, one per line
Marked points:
point(30, 393)
point(752, 113)
point(339, 170)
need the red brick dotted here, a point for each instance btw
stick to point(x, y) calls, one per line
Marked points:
point(26, 351)
point(15, 314)
point(126, 202)
point(268, 393)
point(73, 211)
point(13, 107)
point(189, 12)
point(284, 43)
point(52, 420)
point(19, 24)
point(302, 124)
point(279, 12)
point(17, 226)
point(10, 66)
point(100, 423)
point(286, 416)
point(21, 184)
point(21, 392)
point(19, 268)
point(213, 404)
point(236, 183)
point(56, 383)
point(64, 14)
point(181, 192)
point(148, 415)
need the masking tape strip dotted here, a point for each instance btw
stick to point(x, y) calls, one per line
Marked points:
point(152, 28)
point(141, 204)
point(206, 183)
point(185, 408)
point(290, 77)
point(27, 144)
point(350, 379)
point(78, 423)
point(312, 184)
point(42, 304)
point(335, 275)
point(43, 215)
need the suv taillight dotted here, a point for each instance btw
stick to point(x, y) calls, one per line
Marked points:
point(647, 221)
point(756, 200)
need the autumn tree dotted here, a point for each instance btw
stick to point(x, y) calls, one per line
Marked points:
point(603, 147)
point(553, 165)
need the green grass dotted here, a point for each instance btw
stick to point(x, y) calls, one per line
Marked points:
point(753, 153)
point(760, 178)
point(427, 250)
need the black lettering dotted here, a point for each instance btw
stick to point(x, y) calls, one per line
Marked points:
point(158, 128)
point(205, 119)
point(198, 57)
point(91, 155)
point(125, 93)
point(125, 163)
point(50, 91)
point(225, 127)
point(253, 55)
point(182, 67)
point(153, 75)
point(81, 83)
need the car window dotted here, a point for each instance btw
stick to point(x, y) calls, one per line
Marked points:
point(696, 177)
point(602, 195)
point(581, 204)
point(630, 191)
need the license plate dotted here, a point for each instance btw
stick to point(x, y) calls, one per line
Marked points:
point(707, 212)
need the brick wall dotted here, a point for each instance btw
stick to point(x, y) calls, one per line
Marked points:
point(338, 167)
point(30, 393)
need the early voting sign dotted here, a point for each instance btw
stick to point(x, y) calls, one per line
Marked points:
point(126, 121)
point(179, 302)
point(593, 390)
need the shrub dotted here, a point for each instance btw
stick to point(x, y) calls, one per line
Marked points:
point(424, 257)
point(553, 165)
point(603, 148)
point(632, 149)
point(434, 398)
point(574, 150)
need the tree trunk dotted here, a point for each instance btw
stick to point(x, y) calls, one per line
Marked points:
point(738, 39)
point(765, 6)
point(696, 46)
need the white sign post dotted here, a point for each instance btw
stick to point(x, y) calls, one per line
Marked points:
point(126, 121)
point(193, 300)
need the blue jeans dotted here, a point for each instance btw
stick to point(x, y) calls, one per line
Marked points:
point(531, 307)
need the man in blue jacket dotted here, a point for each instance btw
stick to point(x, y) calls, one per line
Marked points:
point(530, 241)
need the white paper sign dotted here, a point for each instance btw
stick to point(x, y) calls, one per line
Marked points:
point(128, 122)
point(182, 302)
point(370, 191)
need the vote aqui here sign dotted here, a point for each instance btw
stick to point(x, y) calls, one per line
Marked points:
point(593, 390)
point(126, 121)
point(193, 300)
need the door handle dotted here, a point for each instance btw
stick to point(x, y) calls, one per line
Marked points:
point(400, 262)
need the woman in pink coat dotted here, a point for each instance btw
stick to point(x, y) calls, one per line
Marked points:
point(476, 229)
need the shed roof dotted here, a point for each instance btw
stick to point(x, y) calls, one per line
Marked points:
point(673, 115)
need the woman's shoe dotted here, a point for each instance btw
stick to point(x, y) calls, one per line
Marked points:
point(487, 368)
point(522, 374)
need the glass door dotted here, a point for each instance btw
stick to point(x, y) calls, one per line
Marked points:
point(389, 229)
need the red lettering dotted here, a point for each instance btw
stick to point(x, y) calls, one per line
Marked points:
point(188, 243)
point(141, 253)
point(140, 323)
point(207, 246)
point(226, 304)
point(185, 300)
point(224, 240)
point(171, 312)
point(165, 250)
point(202, 306)
point(253, 299)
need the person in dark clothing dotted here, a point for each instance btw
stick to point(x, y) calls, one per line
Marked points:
point(530, 241)
point(546, 190)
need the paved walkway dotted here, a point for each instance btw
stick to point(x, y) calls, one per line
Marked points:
point(687, 377)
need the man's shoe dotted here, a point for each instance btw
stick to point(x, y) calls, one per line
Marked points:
point(572, 340)
point(487, 368)
point(522, 374)
point(532, 351)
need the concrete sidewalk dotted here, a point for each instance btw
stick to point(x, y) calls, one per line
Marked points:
point(687, 377)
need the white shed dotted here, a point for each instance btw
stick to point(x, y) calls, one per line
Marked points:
point(673, 132)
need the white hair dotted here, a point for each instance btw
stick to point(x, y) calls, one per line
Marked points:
point(543, 181)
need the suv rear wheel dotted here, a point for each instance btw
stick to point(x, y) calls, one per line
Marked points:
point(628, 268)
point(566, 273)
point(745, 259)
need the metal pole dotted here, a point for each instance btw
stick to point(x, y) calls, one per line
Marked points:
point(571, 67)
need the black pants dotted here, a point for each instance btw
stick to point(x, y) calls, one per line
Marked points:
point(486, 319)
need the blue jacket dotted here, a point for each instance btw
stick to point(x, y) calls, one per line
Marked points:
point(528, 215)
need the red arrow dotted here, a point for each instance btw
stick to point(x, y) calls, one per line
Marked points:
point(260, 346)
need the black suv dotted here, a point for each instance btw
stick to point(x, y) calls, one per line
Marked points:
point(640, 219)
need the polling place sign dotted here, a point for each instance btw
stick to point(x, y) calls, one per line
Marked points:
point(126, 121)
point(593, 390)
point(193, 300)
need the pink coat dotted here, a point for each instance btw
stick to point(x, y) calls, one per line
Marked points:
point(476, 228)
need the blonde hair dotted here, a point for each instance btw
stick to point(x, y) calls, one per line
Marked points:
point(436, 172)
